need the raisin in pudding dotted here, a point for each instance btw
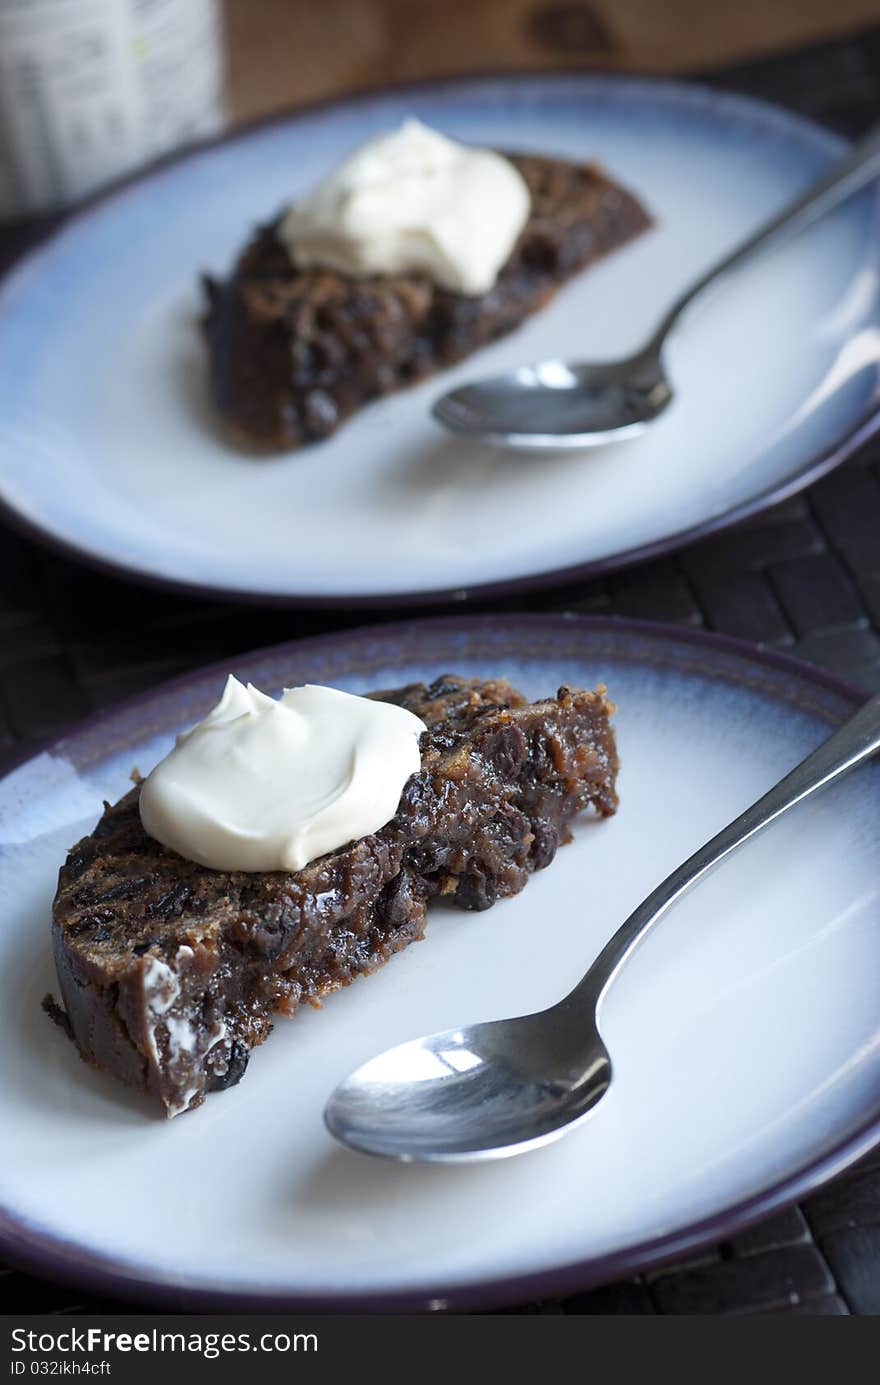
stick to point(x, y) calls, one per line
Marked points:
point(257, 870)
point(413, 253)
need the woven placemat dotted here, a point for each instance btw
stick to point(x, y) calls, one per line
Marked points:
point(804, 577)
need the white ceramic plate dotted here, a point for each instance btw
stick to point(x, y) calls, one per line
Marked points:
point(108, 446)
point(745, 1033)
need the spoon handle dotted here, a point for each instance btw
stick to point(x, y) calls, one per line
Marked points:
point(859, 167)
point(856, 741)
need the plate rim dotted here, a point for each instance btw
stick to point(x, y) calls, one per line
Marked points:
point(673, 90)
point(28, 1247)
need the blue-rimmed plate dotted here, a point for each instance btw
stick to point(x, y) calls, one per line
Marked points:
point(108, 446)
point(744, 1032)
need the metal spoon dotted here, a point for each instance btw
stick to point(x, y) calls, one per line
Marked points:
point(507, 1086)
point(557, 404)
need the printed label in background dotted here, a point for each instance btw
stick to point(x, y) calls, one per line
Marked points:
point(90, 89)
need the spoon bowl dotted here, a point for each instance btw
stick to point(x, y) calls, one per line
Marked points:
point(556, 405)
point(466, 1095)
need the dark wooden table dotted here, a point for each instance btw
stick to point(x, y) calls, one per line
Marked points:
point(804, 577)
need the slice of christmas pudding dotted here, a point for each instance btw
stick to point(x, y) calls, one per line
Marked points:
point(285, 848)
point(410, 255)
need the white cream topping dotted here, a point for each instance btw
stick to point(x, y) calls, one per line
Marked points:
point(412, 201)
point(262, 784)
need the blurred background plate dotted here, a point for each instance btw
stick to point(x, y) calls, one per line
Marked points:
point(743, 1032)
point(108, 446)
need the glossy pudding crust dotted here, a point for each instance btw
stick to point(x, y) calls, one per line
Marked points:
point(292, 353)
point(171, 973)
